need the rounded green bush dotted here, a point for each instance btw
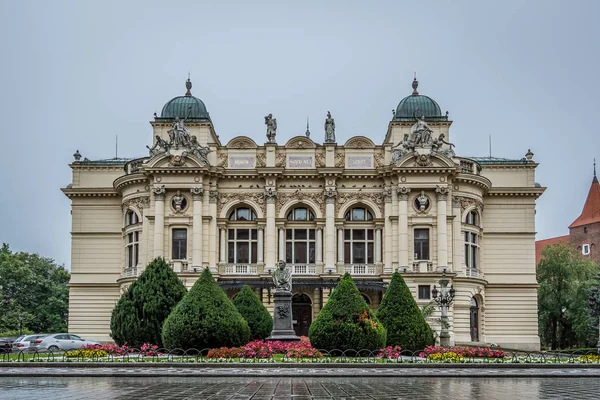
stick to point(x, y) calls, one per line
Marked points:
point(254, 312)
point(346, 321)
point(399, 313)
point(139, 314)
point(205, 318)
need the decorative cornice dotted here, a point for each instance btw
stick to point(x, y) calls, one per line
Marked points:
point(516, 191)
point(91, 192)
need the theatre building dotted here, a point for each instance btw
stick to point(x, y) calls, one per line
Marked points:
point(407, 203)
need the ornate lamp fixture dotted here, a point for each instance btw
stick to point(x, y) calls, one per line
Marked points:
point(444, 298)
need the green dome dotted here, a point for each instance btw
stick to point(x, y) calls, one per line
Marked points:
point(185, 106)
point(423, 105)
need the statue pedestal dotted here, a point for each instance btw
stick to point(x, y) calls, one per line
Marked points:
point(282, 319)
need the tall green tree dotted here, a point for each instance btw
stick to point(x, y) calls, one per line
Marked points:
point(205, 318)
point(34, 287)
point(254, 312)
point(139, 314)
point(565, 277)
point(404, 321)
point(346, 321)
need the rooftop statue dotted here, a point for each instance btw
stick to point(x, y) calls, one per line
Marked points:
point(282, 278)
point(179, 135)
point(160, 146)
point(420, 132)
point(271, 128)
point(329, 129)
point(198, 150)
point(439, 145)
point(404, 147)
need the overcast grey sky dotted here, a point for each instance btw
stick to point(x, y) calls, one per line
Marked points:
point(76, 73)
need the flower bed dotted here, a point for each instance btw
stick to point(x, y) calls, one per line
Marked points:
point(433, 352)
point(260, 349)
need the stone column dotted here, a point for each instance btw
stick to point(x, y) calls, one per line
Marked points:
point(271, 234)
point(442, 226)
point(159, 220)
point(457, 237)
point(330, 194)
point(403, 193)
point(260, 257)
point(213, 197)
point(340, 257)
point(319, 258)
point(387, 232)
point(281, 244)
point(223, 245)
point(316, 302)
point(378, 245)
point(197, 194)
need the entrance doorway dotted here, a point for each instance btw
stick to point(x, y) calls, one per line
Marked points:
point(301, 313)
point(474, 320)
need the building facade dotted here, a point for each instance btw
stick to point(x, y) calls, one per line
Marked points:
point(408, 204)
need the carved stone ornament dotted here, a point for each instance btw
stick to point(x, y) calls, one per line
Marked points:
point(359, 143)
point(442, 192)
point(270, 194)
point(280, 160)
point(242, 143)
point(222, 159)
point(283, 311)
point(261, 160)
point(379, 159)
point(423, 160)
point(330, 194)
point(376, 198)
point(159, 192)
point(179, 203)
point(213, 196)
point(197, 192)
point(340, 159)
point(177, 161)
point(300, 143)
point(138, 202)
point(403, 192)
point(320, 159)
point(422, 202)
point(466, 202)
point(284, 198)
point(387, 194)
point(255, 197)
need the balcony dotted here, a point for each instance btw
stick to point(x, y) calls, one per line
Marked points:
point(130, 273)
point(473, 273)
point(241, 269)
point(303, 269)
point(422, 266)
point(360, 269)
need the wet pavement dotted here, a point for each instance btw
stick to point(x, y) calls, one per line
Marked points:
point(240, 388)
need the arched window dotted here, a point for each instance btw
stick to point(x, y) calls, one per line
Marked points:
point(242, 241)
point(301, 214)
point(131, 218)
point(359, 214)
point(359, 241)
point(242, 214)
point(472, 218)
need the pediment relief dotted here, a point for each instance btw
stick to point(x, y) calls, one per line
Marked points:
point(176, 160)
point(242, 142)
point(424, 160)
point(300, 142)
point(359, 142)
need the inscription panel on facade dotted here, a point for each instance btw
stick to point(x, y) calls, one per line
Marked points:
point(242, 162)
point(359, 162)
point(300, 162)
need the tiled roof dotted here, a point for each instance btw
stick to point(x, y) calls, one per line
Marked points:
point(591, 208)
point(542, 244)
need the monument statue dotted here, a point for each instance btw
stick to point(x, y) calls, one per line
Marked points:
point(282, 278)
point(178, 201)
point(271, 128)
point(329, 129)
point(179, 134)
point(198, 150)
point(160, 146)
point(420, 131)
point(443, 147)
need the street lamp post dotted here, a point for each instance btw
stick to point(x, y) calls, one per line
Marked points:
point(444, 298)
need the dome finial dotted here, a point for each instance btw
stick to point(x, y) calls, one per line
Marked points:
point(595, 168)
point(415, 85)
point(188, 86)
point(307, 133)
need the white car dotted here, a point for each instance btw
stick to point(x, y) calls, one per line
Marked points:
point(60, 341)
point(23, 342)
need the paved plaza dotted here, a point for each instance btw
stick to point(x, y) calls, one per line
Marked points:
point(71, 388)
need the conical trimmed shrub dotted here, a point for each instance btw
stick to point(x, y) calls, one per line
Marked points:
point(254, 312)
point(346, 321)
point(402, 318)
point(205, 318)
point(139, 314)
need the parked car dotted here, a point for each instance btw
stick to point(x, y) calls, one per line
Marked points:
point(6, 345)
point(23, 342)
point(60, 341)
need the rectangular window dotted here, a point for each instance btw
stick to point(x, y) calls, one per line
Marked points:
point(359, 246)
point(132, 250)
point(300, 246)
point(471, 250)
point(179, 244)
point(585, 249)
point(421, 244)
point(242, 246)
point(424, 292)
